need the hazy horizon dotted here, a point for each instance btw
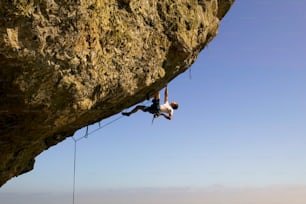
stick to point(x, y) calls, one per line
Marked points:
point(211, 195)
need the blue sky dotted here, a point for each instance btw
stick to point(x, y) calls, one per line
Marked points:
point(240, 125)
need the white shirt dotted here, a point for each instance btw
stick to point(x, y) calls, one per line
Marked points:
point(166, 108)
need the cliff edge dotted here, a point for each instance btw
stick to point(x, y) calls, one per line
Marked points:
point(68, 64)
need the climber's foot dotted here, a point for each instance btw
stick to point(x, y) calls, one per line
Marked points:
point(125, 114)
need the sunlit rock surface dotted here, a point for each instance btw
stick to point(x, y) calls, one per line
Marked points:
point(67, 64)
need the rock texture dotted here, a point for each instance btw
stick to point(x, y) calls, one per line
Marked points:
point(67, 64)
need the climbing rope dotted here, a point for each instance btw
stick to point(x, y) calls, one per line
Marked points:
point(76, 140)
point(74, 168)
point(87, 133)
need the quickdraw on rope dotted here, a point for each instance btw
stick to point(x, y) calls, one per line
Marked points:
point(155, 115)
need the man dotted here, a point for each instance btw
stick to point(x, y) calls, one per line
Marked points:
point(156, 109)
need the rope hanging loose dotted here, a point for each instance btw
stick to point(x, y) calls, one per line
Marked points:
point(74, 168)
point(76, 140)
point(87, 133)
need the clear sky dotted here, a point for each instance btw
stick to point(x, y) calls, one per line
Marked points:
point(238, 136)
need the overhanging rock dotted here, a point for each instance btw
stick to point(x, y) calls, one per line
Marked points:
point(67, 64)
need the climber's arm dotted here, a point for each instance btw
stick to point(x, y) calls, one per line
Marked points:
point(169, 117)
point(166, 94)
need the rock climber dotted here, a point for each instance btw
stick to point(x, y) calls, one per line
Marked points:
point(156, 108)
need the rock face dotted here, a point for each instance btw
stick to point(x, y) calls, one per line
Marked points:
point(67, 64)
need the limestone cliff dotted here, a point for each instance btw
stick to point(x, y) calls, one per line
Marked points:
point(67, 64)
